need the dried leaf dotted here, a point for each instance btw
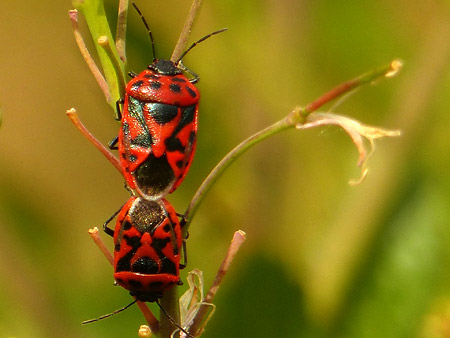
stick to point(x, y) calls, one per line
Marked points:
point(357, 131)
point(191, 300)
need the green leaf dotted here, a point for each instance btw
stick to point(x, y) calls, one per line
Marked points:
point(394, 294)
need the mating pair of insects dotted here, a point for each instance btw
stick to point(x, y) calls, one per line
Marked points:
point(156, 145)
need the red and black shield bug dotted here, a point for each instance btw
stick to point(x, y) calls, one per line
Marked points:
point(147, 250)
point(157, 138)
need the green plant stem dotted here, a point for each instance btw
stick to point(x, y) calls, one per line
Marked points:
point(95, 16)
point(170, 303)
point(296, 117)
point(116, 62)
point(227, 161)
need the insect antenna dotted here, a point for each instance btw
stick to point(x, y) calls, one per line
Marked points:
point(148, 29)
point(198, 41)
point(127, 306)
point(109, 314)
point(173, 321)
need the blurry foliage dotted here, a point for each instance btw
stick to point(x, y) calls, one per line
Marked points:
point(322, 259)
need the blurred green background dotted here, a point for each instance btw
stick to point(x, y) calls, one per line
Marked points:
point(322, 258)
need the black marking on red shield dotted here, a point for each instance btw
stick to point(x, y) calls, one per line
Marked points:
point(154, 172)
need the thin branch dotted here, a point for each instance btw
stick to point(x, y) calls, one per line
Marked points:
point(296, 119)
point(386, 71)
point(73, 14)
point(186, 31)
point(239, 238)
point(121, 30)
point(73, 116)
point(98, 241)
point(199, 320)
